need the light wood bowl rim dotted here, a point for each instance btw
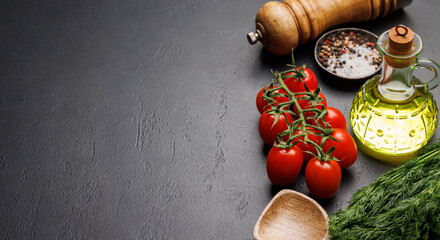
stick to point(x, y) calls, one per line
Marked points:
point(281, 193)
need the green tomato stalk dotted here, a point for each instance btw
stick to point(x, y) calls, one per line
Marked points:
point(300, 123)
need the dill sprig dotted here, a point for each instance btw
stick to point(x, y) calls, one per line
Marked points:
point(403, 203)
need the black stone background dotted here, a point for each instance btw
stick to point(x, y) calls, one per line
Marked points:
point(137, 119)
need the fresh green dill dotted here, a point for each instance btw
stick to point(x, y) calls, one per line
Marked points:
point(403, 203)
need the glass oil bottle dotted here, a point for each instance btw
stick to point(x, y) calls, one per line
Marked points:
point(393, 115)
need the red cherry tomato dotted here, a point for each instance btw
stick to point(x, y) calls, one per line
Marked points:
point(323, 178)
point(307, 147)
point(334, 118)
point(345, 150)
point(306, 104)
point(284, 165)
point(269, 131)
point(263, 104)
point(296, 85)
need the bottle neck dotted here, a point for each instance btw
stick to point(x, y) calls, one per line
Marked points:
point(395, 83)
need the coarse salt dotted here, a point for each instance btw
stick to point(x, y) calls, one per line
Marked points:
point(356, 65)
point(349, 55)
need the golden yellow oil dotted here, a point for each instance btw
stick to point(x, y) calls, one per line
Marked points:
point(392, 131)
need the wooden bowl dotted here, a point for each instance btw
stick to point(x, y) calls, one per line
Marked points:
point(292, 215)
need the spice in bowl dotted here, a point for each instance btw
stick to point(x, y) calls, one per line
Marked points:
point(348, 53)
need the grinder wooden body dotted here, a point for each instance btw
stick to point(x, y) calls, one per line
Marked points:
point(282, 26)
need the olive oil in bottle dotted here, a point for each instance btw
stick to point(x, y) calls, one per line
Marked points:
point(393, 115)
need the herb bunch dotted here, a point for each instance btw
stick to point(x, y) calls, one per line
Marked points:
point(403, 203)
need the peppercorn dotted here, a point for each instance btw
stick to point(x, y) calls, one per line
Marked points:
point(339, 50)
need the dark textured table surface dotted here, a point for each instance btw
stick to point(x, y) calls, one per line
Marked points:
point(137, 119)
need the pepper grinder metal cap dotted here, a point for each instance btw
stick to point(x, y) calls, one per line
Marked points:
point(253, 37)
point(400, 40)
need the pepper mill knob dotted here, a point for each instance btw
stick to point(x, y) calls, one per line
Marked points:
point(253, 37)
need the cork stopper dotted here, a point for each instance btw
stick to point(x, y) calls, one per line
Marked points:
point(401, 40)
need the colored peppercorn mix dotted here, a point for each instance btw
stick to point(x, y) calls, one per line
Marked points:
point(349, 54)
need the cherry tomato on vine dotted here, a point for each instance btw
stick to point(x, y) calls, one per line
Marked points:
point(323, 177)
point(334, 118)
point(284, 165)
point(263, 104)
point(306, 104)
point(307, 147)
point(296, 85)
point(269, 131)
point(345, 150)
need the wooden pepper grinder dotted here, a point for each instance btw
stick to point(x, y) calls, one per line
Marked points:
point(282, 26)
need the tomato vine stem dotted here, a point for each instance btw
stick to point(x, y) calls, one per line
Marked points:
point(300, 123)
